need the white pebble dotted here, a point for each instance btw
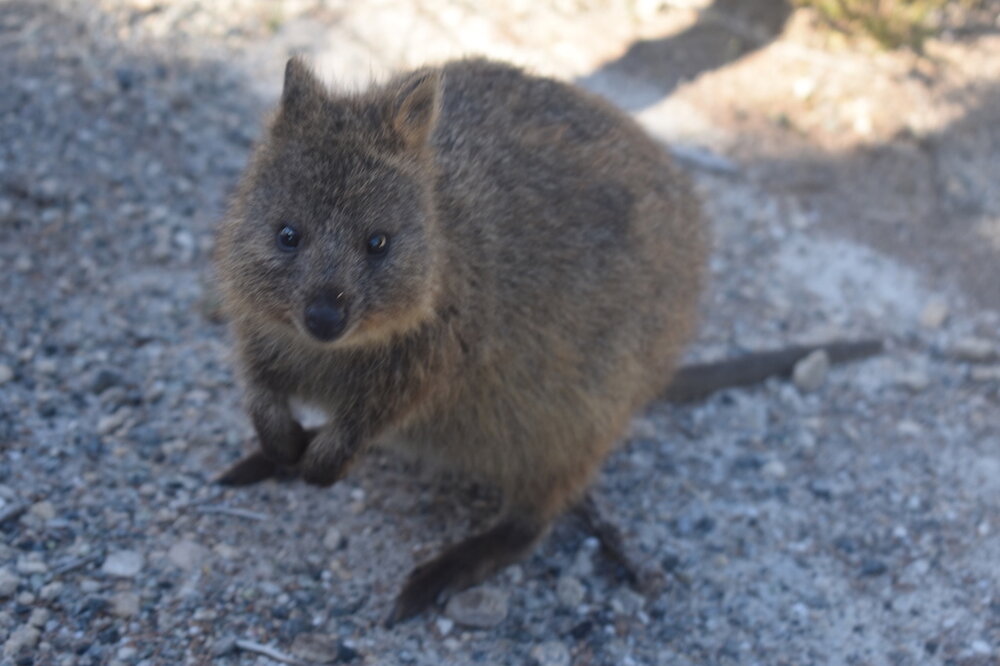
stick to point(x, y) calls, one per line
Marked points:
point(8, 583)
point(974, 350)
point(810, 372)
point(570, 591)
point(43, 510)
point(444, 625)
point(985, 374)
point(934, 314)
point(482, 607)
point(333, 538)
point(38, 618)
point(550, 653)
point(187, 554)
point(24, 637)
point(31, 564)
point(123, 563)
point(775, 469)
point(125, 604)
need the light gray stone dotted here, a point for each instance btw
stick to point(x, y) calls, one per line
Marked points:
point(187, 554)
point(23, 638)
point(123, 563)
point(550, 653)
point(810, 372)
point(8, 583)
point(570, 591)
point(125, 604)
point(315, 647)
point(481, 607)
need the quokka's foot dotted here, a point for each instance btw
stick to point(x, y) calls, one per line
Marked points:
point(462, 566)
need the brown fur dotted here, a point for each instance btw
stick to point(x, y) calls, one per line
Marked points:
point(542, 278)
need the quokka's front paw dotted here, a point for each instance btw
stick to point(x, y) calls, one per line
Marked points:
point(252, 469)
point(324, 469)
point(258, 467)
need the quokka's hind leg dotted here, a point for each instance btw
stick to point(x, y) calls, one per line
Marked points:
point(597, 520)
point(529, 510)
point(465, 564)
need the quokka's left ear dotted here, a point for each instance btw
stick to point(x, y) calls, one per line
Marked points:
point(414, 107)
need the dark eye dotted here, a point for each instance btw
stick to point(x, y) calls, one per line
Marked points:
point(377, 243)
point(288, 238)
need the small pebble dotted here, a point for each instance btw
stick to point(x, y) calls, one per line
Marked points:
point(125, 604)
point(481, 607)
point(316, 647)
point(50, 591)
point(934, 314)
point(6, 374)
point(570, 591)
point(985, 374)
point(775, 469)
point(105, 379)
point(804, 87)
point(444, 625)
point(550, 653)
point(123, 563)
point(46, 366)
point(23, 638)
point(90, 586)
point(810, 372)
point(8, 583)
point(187, 554)
point(872, 567)
point(43, 510)
point(975, 350)
point(821, 489)
point(333, 539)
point(38, 618)
point(223, 646)
point(31, 564)
point(109, 424)
point(346, 653)
point(914, 380)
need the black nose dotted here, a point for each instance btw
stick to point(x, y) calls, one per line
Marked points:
point(326, 317)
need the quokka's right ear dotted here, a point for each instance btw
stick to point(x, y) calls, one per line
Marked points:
point(302, 91)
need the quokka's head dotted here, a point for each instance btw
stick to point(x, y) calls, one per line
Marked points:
point(332, 234)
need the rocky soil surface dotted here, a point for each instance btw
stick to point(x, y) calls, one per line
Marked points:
point(852, 192)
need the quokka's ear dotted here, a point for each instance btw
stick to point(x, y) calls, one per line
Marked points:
point(302, 91)
point(415, 106)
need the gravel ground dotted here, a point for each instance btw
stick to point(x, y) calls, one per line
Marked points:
point(856, 523)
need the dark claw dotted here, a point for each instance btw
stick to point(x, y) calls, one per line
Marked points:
point(424, 586)
point(257, 467)
point(324, 475)
point(613, 545)
point(252, 469)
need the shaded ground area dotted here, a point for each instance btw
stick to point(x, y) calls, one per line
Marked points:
point(852, 193)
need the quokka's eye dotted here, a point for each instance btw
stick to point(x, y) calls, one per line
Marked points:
point(288, 238)
point(377, 243)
